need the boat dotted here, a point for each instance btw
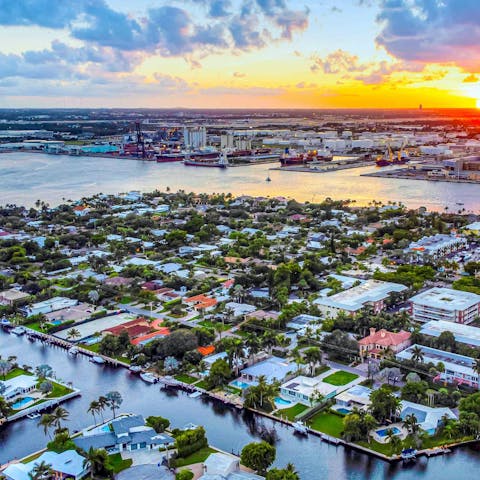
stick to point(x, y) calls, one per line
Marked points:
point(135, 369)
point(195, 394)
point(5, 322)
point(291, 157)
point(408, 454)
point(33, 415)
point(268, 179)
point(148, 377)
point(170, 157)
point(97, 359)
point(73, 351)
point(19, 331)
point(300, 428)
point(218, 162)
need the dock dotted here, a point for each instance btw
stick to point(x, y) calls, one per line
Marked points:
point(326, 167)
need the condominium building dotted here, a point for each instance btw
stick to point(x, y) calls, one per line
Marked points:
point(438, 245)
point(445, 304)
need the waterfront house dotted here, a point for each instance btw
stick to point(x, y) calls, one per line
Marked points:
point(273, 368)
point(428, 418)
point(445, 304)
point(13, 296)
point(379, 343)
point(68, 464)
point(458, 368)
point(47, 306)
point(357, 396)
point(18, 386)
point(307, 390)
point(126, 433)
point(221, 466)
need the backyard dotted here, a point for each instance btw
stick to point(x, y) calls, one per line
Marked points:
point(341, 377)
point(328, 423)
point(292, 412)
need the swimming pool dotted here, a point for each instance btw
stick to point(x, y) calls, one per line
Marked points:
point(56, 322)
point(281, 401)
point(384, 431)
point(343, 411)
point(22, 402)
point(105, 428)
point(240, 384)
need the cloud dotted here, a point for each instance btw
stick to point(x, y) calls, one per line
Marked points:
point(470, 79)
point(339, 61)
point(239, 74)
point(430, 31)
point(305, 85)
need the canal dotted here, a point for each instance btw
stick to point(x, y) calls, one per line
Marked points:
point(226, 428)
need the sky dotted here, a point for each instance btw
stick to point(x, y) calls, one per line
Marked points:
point(240, 53)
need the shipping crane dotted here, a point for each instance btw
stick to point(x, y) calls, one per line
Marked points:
point(140, 140)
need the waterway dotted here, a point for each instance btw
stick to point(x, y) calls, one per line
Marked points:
point(226, 428)
point(26, 177)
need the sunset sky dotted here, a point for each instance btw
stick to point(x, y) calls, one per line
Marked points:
point(239, 53)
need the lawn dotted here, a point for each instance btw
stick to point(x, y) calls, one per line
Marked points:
point(378, 447)
point(327, 423)
point(183, 377)
point(197, 457)
point(292, 412)
point(126, 299)
point(340, 378)
point(58, 391)
point(93, 348)
point(15, 373)
point(209, 324)
point(118, 463)
point(202, 384)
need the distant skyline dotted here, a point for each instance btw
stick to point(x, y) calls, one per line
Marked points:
point(240, 53)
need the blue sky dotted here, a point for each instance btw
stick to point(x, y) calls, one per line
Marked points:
point(230, 53)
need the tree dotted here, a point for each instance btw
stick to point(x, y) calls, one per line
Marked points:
point(184, 475)
point(313, 356)
point(258, 456)
point(93, 296)
point(446, 341)
point(114, 400)
point(46, 421)
point(73, 333)
point(287, 473)
point(94, 408)
point(99, 463)
point(102, 405)
point(159, 424)
point(59, 415)
point(384, 404)
point(5, 367)
point(411, 424)
point(41, 471)
point(219, 374)
point(44, 371)
point(5, 409)
point(417, 354)
point(45, 387)
point(476, 369)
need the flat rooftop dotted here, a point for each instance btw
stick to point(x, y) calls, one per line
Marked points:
point(446, 299)
point(355, 298)
point(462, 333)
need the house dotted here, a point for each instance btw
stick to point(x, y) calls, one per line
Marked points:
point(18, 386)
point(370, 293)
point(428, 418)
point(68, 464)
point(47, 306)
point(273, 369)
point(135, 328)
point(12, 297)
point(118, 281)
point(307, 390)
point(301, 321)
point(221, 466)
point(201, 302)
point(459, 369)
point(240, 309)
point(465, 334)
point(262, 315)
point(380, 342)
point(357, 396)
point(454, 306)
point(126, 433)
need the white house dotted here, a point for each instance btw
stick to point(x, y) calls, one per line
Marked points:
point(18, 386)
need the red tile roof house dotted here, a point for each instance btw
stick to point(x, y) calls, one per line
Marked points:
point(134, 328)
point(377, 344)
point(202, 302)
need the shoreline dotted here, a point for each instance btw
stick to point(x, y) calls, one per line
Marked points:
point(399, 176)
point(171, 382)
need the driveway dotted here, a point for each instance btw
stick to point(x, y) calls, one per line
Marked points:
point(146, 472)
point(144, 457)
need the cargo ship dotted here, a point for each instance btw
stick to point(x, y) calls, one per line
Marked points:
point(219, 162)
point(291, 157)
point(389, 159)
point(181, 156)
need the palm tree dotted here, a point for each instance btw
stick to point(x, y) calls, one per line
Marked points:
point(41, 471)
point(93, 409)
point(59, 414)
point(411, 424)
point(313, 356)
point(98, 462)
point(476, 369)
point(72, 334)
point(46, 422)
point(93, 296)
point(102, 405)
point(417, 354)
point(252, 342)
point(114, 400)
